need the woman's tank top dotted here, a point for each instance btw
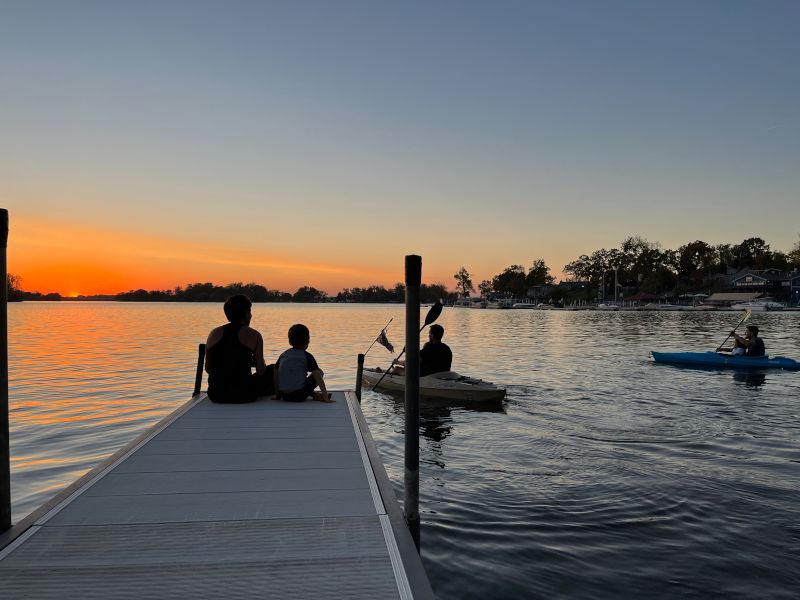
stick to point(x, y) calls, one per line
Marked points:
point(232, 361)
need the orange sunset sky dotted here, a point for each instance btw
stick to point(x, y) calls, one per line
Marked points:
point(289, 144)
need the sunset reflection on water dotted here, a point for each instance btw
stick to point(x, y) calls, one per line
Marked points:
point(597, 456)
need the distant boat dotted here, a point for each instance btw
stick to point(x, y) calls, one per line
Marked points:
point(524, 305)
point(607, 307)
point(759, 305)
point(500, 303)
point(470, 303)
point(706, 307)
point(665, 306)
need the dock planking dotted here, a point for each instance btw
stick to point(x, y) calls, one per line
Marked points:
point(261, 500)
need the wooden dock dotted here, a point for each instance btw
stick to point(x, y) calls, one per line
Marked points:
point(261, 500)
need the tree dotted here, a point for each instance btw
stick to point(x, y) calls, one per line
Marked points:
point(592, 267)
point(256, 293)
point(485, 287)
point(751, 253)
point(511, 281)
point(725, 257)
point(14, 287)
point(659, 281)
point(696, 260)
point(793, 257)
point(433, 292)
point(309, 294)
point(463, 282)
point(639, 258)
point(198, 292)
point(779, 260)
point(579, 268)
point(538, 274)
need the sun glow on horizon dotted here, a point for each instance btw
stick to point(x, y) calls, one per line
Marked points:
point(76, 260)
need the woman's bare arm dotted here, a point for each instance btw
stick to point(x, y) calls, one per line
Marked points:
point(213, 338)
point(253, 340)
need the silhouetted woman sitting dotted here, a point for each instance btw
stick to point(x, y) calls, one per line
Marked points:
point(231, 352)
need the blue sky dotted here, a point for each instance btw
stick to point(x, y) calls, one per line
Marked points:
point(347, 134)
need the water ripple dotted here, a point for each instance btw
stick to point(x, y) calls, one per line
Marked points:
point(601, 476)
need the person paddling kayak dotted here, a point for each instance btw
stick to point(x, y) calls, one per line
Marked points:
point(434, 357)
point(752, 344)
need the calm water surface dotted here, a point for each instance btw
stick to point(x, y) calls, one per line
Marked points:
point(603, 475)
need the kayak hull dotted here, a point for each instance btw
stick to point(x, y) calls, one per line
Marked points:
point(448, 385)
point(725, 361)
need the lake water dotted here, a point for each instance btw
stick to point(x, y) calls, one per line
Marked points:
point(603, 475)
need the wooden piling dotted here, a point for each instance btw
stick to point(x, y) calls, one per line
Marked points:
point(359, 375)
point(411, 476)
point(198, 378)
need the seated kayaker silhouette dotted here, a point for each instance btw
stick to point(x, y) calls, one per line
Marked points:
point(434, 357)
point(749, 345)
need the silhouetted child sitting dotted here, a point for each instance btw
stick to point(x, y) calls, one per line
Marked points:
point(298, 372)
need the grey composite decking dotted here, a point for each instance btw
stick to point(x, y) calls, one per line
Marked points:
point(262, 500)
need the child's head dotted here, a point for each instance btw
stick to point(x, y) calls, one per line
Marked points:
point(299, 336)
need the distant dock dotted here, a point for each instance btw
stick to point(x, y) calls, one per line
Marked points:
point(261, 500)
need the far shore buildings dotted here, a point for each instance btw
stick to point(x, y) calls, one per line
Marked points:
point(721, 289)
point(751, 284)
point(783, 286)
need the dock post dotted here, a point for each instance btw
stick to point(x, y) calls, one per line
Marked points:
point(5, 455)
point(411, 477)
point(198, 378)
point(359, 374)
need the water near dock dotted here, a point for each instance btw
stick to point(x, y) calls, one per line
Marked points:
point(603, 476)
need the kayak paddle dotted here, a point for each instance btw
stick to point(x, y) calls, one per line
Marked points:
point(432, 315)
point(746, 316)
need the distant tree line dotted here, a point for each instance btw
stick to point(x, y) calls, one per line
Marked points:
point(513, 281)
point(640, 265)
point(649, 268)
point(208, 292)
point(378, 293)
point(17, 294)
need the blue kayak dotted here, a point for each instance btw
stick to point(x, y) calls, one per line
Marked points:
point(720, 360)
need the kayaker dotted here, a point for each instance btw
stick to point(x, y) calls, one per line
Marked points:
point(231, 352)
point(434, 357)
point(752, 344)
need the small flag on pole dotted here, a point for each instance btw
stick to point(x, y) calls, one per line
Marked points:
point(384, 341)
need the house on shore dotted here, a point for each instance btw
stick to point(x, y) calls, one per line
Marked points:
point(772, 283)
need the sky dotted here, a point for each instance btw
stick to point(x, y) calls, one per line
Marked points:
point(153, 144)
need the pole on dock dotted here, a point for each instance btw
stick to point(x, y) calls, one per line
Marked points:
point(5, 455)
point(198, 378)
point(411, 478)
point(359, 374)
